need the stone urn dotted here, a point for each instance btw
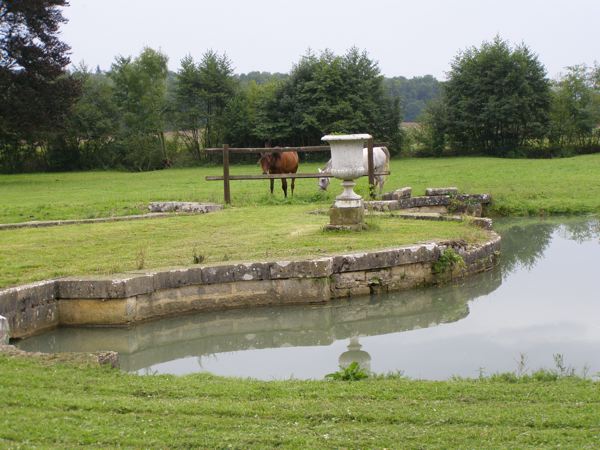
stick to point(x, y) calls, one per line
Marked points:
point(347, 165)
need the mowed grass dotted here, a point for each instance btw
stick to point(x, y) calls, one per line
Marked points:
point(268, 232)
point(58, 405)
point(518, 186)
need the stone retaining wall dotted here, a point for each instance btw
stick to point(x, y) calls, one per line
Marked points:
point(143, 295)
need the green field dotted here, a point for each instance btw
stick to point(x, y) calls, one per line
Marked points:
point(519, 187)
point(266, 233)
point(52, 405)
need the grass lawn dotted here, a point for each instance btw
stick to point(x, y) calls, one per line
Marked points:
point(519, 187)
point(50, 404)
point(58, 405)
point(235, 234)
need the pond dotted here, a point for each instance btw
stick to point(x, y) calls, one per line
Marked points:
point(541, 301)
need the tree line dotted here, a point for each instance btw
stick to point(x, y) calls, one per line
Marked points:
point(499, 101)
point(138, 115)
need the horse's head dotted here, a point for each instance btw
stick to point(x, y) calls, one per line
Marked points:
point(266, 162)
point(323, 182)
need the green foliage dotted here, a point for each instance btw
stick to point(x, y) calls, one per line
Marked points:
point(93, 124)
point(352, 372)
point(140, 87)
point(497, 98)
point(202, 92)
point(575, 112)
point(36, 92)
point(326, 94)
point(447, 262)
point(414, 93)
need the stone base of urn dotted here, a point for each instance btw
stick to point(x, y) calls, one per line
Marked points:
point(352, 218)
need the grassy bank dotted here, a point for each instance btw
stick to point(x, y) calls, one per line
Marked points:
point(62, 405)
point(519, 187)
point(234, 234)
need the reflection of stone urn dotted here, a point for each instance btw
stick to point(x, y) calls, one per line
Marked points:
point(354, 353)
point(347, 165)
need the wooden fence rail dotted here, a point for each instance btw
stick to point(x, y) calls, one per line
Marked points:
point(226, 177)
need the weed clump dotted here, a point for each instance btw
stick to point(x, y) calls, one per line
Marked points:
point(447, 262)
point(353, 372)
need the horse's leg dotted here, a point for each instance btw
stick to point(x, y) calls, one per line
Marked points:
point(284, 186)
point(293, 180)
point(272, 183)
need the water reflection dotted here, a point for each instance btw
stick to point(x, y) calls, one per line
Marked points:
point(150, 344)
point(524, 241)
point(540, 301)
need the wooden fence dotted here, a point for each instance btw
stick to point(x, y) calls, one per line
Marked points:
point(226, 177)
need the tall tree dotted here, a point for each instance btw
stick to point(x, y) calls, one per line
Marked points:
point(217, 87)
point(188, 106)
point(92, 127)
point(202, 92)
point(140, 87)
point(329, 93)
point(497, 98)
point(35, 90)
point(575, 111)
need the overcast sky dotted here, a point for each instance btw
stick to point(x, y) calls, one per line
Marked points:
point(406, 38)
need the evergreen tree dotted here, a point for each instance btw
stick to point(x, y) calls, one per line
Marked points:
point(497, 98)
point(36, 93)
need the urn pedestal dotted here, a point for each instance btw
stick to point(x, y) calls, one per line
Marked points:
point(347, 212)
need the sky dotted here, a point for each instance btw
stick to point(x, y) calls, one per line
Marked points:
point(406, 38)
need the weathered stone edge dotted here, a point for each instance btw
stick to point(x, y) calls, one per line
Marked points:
point(140, 282)
point(41, 297)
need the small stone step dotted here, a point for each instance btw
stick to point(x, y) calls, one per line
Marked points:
point(441, 191)
point(188, 207)
point(398, 194)
point(429, 216)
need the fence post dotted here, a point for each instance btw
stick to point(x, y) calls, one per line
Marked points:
point(226, 190)
point(370, 168)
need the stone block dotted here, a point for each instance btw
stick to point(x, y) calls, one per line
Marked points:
point(302, 290)
point(96, 311)
point(29, 308)
point(251, 272)
point(418, 202)
point(483, 222)
point(441, 191)
point(385, 258)
point(4, 330)
point(187, 207)
point(8, 301)
point(398, 194)
point(217, 274)
point(382, 205)
point(315, 268)
point(479, 198)
point(20, 298)
point(173, 277)
point(346, 216)
point(105, 287)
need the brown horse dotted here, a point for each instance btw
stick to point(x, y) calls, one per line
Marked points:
point(284, 162)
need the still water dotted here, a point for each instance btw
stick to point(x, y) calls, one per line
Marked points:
point(542, 300)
